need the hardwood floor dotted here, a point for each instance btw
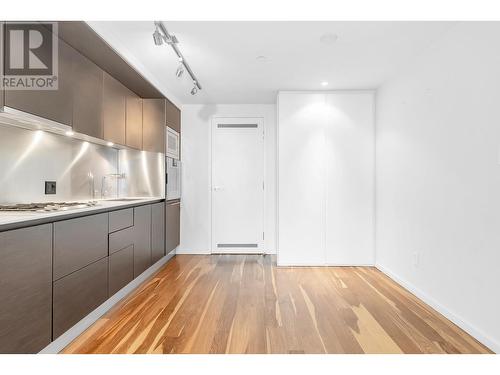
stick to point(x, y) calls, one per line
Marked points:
point(245, 304)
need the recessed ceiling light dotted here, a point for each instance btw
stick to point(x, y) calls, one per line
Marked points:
point(69, 133)
point(262, 58)
point(324, 83)
point(328, 38)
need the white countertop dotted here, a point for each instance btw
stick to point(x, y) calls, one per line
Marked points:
point(26, 218)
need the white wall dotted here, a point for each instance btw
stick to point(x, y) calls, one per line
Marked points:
point(195, 146)
point(438, 177)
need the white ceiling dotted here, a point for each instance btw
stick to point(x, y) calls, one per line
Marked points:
point(223, 55)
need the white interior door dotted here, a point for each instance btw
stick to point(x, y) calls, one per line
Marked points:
point(237, 185)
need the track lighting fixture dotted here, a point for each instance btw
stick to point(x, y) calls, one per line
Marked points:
point(180, 71)
point(160, 36)
point(157, 37)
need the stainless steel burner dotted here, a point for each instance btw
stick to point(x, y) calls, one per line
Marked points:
point(46, 206)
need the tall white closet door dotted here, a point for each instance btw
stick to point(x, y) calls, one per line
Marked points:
point(350, 179)
point(301, 178)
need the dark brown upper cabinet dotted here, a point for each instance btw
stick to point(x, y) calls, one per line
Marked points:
point(153, 125)
point(114, 107)
point(173, 117)
point(133, 127)
point(55, 105)
point(87, 97)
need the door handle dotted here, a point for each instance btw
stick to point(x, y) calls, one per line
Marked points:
point(217, 188)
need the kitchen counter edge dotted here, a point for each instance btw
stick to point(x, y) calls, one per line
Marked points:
point(24, 223)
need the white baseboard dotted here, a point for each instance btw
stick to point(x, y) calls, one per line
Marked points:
point(207, 252)
point(281, 264)
point(191, 252)
point(479, 335)
point(66, 338)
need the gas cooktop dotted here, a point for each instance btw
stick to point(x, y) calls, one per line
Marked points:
point(46, 206)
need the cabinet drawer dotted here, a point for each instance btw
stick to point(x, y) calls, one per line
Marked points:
point(76, 295)
point(121, 219)
point(79, 242)
point(121, 269)
point(121, 239)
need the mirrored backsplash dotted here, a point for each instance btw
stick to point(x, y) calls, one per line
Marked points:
point(81, 170)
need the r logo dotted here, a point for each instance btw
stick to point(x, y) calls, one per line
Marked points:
point(29, 58)
point(28, 49)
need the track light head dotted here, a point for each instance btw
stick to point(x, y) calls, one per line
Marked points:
point(173, 40)
point(157, 37)
point(180, 71)
point(194, 90)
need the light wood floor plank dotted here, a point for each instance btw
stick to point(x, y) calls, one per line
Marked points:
point(245, 304)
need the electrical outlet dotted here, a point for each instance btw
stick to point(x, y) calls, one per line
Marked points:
point(416, 259)
point(50, 187)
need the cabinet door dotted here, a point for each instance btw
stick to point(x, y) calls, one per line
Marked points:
point(87, 97)
point(79, 242)
point(142, 236)
point(26, 289)
point(133, 128)
point(121, 269)
point(153, 125)
point(173, 117)
point(350, 179)
point(77, 294)
point(114, 98)
point(301, 206)
point(157, 231)
point(173, 225)
point(55, 105)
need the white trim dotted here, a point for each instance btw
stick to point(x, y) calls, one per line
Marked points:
point(302, 265)
point(66, 338)
point(479, 335)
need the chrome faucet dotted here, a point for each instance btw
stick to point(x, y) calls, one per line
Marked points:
point(91, 185)
point(103, 181)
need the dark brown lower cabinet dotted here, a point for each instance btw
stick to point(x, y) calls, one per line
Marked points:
point(25, 289)
point(79, 242)
point(142, 236)
point(121, 269)
point(157, 231)
point(77, 294)
point(173, 225)
point(88, 266)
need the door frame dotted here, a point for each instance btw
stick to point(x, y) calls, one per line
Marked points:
point(215, 119)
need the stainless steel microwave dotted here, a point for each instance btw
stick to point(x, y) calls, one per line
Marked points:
point(172, 142)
